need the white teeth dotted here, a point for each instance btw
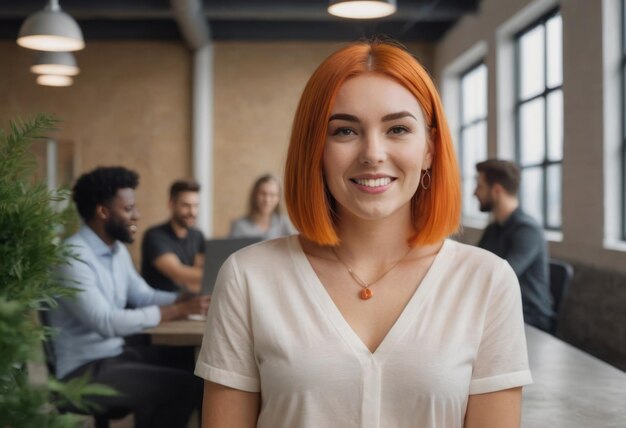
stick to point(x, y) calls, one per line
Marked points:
point(133, 228)
point(373, 182)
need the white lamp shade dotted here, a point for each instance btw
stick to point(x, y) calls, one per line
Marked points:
point(362, 9)
point(51, 29)
point(53, 80)
point(59, 63)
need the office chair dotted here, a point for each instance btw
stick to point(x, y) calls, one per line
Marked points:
point(102, 416)
point(561, 274)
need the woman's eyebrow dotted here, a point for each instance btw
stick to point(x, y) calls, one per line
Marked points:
point(399, 115)
point(344, 116)
point(386, 118)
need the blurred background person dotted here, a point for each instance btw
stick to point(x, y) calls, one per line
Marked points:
point(264, 219)
point(155, 382)
point(516, 237)
point(172, 253)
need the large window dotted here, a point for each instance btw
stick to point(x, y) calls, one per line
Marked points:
point(539, 118)
point(473, 133)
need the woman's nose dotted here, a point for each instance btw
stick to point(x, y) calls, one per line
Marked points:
point(372, 150)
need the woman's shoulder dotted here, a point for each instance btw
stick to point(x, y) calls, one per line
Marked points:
point(471, 258)
point(264, 252)
point(260, 266)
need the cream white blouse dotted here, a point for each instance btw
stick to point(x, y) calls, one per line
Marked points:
point(273, 328)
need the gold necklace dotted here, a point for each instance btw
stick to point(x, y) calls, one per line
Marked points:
point(366, 293)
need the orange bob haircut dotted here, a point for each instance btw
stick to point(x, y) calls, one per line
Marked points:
point(436, 211)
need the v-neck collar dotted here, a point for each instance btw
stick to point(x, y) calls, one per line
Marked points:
point(345, 330)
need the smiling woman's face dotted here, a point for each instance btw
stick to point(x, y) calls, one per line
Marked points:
point(376, 148)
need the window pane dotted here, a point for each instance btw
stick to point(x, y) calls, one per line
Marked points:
point(554, 196)
point(474, 150)
point(555, 125)
point(474, 94)
point(471, 207)
point(532, 132)
point(474, 147)
point(532, 192)
point(554, 42)
point(531, 62)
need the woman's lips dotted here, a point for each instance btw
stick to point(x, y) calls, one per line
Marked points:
point(373, 185)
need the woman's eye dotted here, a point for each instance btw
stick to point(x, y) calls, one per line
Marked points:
point(398, 130)
point(343, 132)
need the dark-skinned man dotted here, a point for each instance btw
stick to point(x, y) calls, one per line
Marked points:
point(156, 383)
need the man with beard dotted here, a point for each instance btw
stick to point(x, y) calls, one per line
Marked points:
point(155, 383)
point(172, 253)
point(516, 237)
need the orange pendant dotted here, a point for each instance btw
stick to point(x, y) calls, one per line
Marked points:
point(365, 294)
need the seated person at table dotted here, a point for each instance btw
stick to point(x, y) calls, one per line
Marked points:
point(516, 237)
point(156, 383)
point(264, 219)
point(172, 253)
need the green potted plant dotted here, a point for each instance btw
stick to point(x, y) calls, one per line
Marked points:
point(30, 251)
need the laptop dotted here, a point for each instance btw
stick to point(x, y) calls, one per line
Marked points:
point(216, 251)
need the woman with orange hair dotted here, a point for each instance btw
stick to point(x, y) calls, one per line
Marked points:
point(370, 317)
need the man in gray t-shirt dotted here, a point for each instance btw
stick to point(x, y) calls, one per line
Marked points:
point(172, 253)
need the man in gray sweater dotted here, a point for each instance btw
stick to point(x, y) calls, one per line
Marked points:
point(516, 237)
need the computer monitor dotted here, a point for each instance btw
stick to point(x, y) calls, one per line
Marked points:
point(216, 251)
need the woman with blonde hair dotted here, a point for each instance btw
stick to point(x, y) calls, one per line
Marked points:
point(370, 317)
point(264, 219)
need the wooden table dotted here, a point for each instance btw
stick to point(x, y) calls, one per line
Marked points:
point(178, 333)
point(571, 389)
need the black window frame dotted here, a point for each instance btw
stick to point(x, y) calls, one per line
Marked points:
point(546, 163)
point(622, 185)
point(463, 126)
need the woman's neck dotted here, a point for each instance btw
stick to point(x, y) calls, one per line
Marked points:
point(380, 240)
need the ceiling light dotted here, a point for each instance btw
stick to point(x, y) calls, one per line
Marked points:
point(362, 9)
point(53, 80)
point(59, 63)
point(51, 29)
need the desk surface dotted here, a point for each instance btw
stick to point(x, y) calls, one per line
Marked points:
point(571, 389)
point(178, 333)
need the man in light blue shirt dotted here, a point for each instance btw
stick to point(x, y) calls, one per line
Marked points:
point(156, 384)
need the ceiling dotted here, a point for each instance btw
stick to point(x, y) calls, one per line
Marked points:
point(415, 20)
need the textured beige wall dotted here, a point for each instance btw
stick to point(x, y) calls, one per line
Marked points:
point(257, 88)
point(129, 106)
point(583, 161)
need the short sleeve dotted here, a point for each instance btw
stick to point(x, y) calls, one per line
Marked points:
point(227, 353)
point(502, 358)
point(154, 245)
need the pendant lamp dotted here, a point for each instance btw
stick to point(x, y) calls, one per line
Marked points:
point(57, 63)
point(362, 9)
point(54, 80)
point(51, 29)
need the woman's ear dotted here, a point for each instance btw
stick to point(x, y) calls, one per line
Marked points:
point(430, 149)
